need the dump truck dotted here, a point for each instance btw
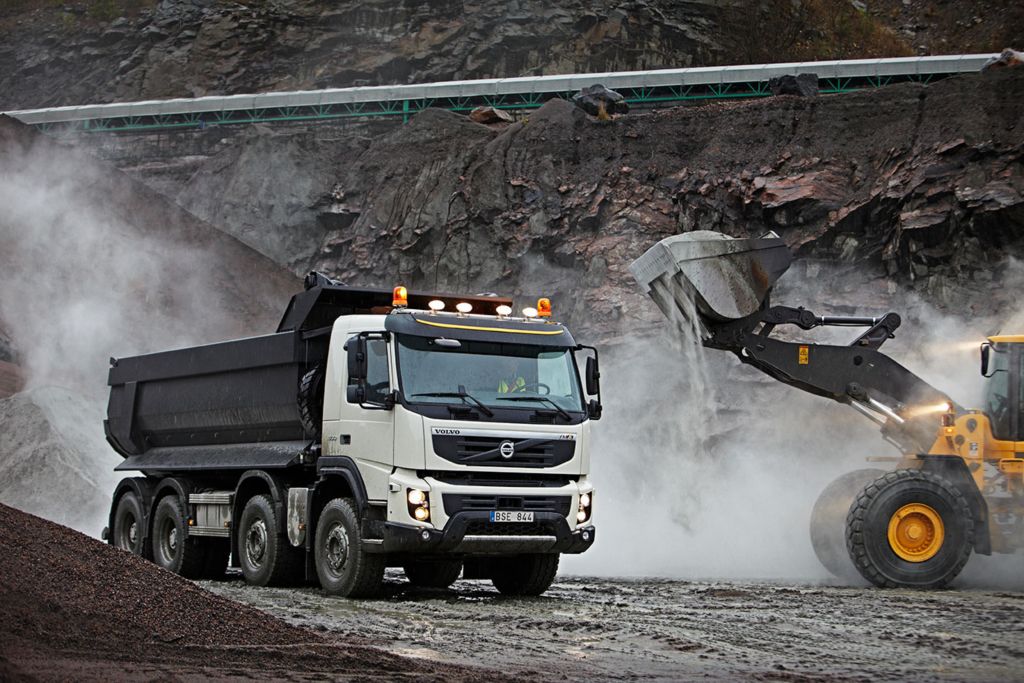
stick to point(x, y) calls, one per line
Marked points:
point(957, 486)
point(375, 428)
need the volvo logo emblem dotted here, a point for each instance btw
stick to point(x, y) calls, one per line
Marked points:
point(507, 449)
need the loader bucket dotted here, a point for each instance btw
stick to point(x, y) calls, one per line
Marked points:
point(708, 275)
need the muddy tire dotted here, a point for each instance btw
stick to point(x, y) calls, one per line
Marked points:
point(265, 556)
point(342, 565)
point(128, 529)
point(433, 574)
point(172, 548)
point(828, 521)
point(525, 574)
point(910, 529)
point(311, 401)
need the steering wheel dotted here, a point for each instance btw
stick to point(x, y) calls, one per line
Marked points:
point(538, 386)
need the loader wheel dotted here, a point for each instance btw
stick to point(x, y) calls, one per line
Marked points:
point(265, 555)
point(343, 566)
point(525, 574)
point(910, 529)
point(173, 549)
point(828, 521)
point(128, 524)
point(440, 574)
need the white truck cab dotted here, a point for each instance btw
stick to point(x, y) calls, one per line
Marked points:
point(374, 428)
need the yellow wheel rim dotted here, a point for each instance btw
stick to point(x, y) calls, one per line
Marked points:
point(916, 532)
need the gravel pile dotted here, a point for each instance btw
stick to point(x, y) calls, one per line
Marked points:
point(54, 460)
point(74, 607)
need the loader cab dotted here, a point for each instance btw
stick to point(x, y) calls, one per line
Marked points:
point(1001, 359)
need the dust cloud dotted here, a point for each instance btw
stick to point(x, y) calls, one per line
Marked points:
point(706, 468)
point(83, 278)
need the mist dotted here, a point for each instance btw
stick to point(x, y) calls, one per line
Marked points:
point(94, 265)
point(708, 469)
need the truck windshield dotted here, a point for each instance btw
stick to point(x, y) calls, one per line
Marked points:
point(489, 372)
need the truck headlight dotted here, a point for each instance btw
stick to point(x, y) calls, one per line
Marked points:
point(583, 513)
point(419, 504)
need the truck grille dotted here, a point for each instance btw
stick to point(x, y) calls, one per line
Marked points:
point(486, 450)
point(454, 503)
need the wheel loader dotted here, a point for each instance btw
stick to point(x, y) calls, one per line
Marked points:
point(958, 486)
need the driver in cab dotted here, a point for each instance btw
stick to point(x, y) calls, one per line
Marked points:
point(512, 380)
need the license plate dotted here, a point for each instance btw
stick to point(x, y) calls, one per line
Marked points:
point(516, 516)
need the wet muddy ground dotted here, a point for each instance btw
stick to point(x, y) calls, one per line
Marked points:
point(652, 630)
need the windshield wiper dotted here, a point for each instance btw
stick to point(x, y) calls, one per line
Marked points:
point(458, 394)
point(565, 415)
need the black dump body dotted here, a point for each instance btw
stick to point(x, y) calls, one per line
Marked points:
point(204, 407)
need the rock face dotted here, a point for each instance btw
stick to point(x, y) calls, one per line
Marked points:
point(186, 48)
point(903, 184)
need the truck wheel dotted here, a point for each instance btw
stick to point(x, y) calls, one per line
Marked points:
point(172, 548)
point(128, 524)
point(343, 566)
point(440, 574)
point(264, 554)
point(525, 574)
point(311, 400)
point(828, 521)
point(910, 529)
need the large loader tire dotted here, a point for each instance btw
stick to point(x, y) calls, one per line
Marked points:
point(525, 574)
point(437, 574)
point(342, 564)
point(173, 549)
point(828, 521)
point(128, 532)
point(265, 556)
point(910, 529)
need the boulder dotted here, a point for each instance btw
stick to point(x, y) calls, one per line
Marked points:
point(489, 115)
point(601, 102)
point(801, 85)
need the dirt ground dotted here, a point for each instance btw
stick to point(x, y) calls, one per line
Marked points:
point(660, 630)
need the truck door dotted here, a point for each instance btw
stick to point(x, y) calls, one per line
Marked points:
point(369, 428)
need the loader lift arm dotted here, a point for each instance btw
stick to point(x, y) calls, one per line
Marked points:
point(721, 287)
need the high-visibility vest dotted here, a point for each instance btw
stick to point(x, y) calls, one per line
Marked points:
point(511, 386)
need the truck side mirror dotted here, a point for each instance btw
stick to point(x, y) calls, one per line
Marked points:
point(356, 348)
point(355, 393)
point(593, 377)
point(594, 409)
point(986, 350)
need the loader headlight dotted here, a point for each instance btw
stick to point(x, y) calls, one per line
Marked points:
point(583, 513)
point(419, 504)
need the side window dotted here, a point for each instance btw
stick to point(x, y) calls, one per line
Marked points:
point(378, 385)
point(997, 399)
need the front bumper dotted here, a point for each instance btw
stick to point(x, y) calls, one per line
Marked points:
point(472, 533)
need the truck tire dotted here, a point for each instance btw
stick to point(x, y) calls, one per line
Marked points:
point(910, 529)
point(264, 554)
point(525, 574)
point(343, 566)
point(311, 401)
point(128, 524)
point(172, 548)
point(438, 574)
point(828, 521)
